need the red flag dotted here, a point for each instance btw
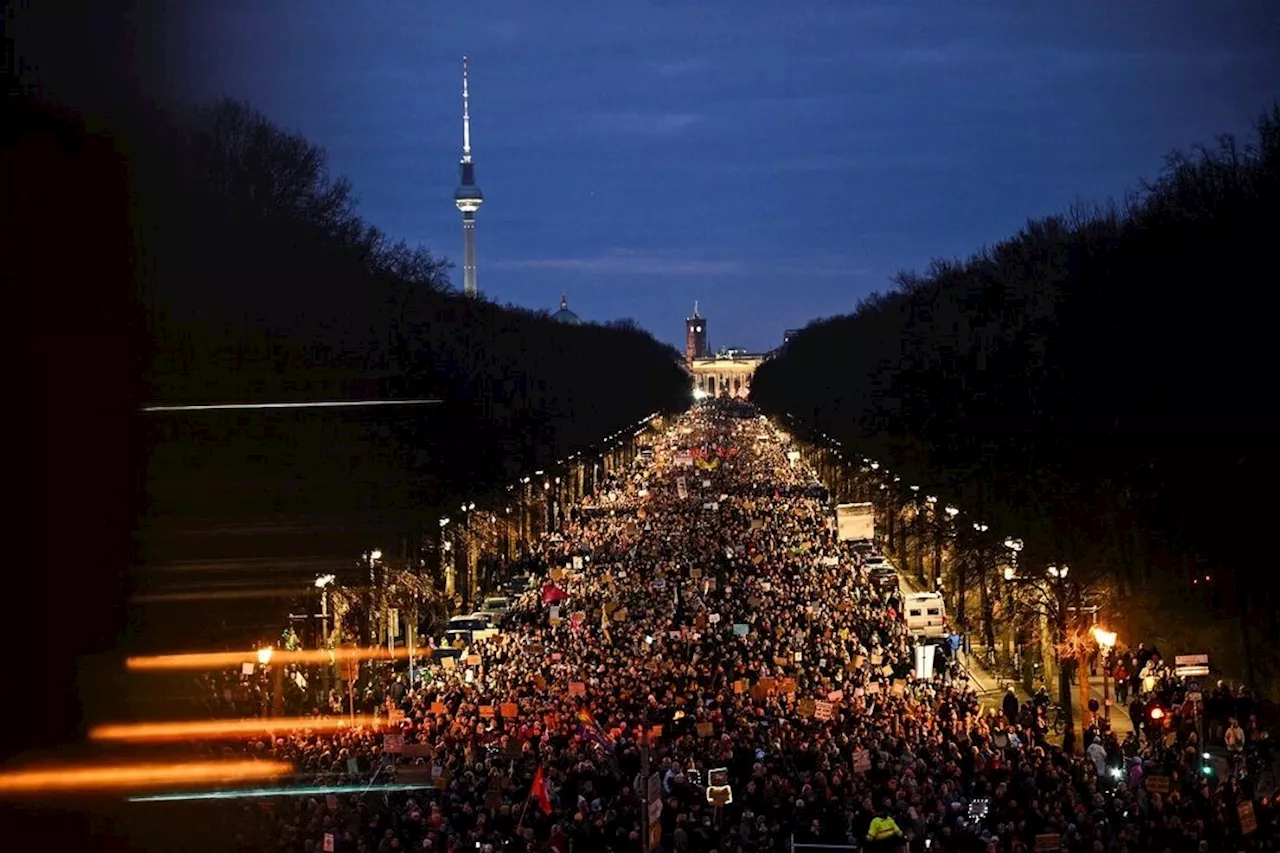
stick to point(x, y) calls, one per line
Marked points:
point(539, 790)
point(552, 594)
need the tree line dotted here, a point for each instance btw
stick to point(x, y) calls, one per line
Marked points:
point(261, 280)
point(1096, 385)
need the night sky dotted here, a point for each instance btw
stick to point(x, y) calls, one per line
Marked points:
point(775, 161)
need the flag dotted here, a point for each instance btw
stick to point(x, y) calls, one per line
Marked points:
point(552, 594)
point(590, 730)
point(539, 790)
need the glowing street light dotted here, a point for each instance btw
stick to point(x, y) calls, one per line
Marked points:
point(264, 655)
point(1058, 572)
point(980, 527)
point(1008, 573)
point(1106, 642)
point(324, 580)
point(952, 512)
point(375, 554)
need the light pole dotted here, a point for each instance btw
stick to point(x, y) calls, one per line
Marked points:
point(322, 584)
point(944, 533)
point(372, 559)
point(1106, 642)
point(1058, 575)
point(1015, 547)
point(277, 681)
point(917, 519)
point(979, 567)
point(932, 502)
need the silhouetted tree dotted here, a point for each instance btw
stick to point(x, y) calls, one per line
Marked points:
point(1094, 384)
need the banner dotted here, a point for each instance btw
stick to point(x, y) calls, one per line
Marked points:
point(855, 522)
point(924, 662)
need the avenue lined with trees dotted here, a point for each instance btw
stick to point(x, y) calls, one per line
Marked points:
point(1095, 386)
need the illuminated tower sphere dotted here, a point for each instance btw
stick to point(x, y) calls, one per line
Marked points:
point(695, 337)
point(467, 196)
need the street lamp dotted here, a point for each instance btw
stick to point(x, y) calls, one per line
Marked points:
point(1013, 634)
point(1058, 572)
point(277, 682)
point(952, 512)
point(322, 584)
point(1106, 642)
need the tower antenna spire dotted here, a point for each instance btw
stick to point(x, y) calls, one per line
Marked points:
point(466, 115)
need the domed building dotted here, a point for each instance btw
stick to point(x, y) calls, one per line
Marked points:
point(564, 315)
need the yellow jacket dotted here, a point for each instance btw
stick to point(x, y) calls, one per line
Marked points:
point(882, 829)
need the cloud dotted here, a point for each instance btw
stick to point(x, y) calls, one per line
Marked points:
point(628, 262)
point(633, 262)
point(646, 124)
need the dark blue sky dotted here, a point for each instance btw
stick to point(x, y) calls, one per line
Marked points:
point(776, 161)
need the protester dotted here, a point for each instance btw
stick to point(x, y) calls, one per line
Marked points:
point(708, 614)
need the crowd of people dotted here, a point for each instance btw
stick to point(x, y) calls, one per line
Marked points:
point(699, 620)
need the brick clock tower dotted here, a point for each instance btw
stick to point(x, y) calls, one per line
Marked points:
point(695, 337)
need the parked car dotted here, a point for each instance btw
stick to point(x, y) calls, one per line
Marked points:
point(519, 584)
point(470, 629)
point(885, 580)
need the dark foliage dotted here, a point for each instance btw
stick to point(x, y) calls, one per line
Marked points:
point(262, 282)
point(1098, 384)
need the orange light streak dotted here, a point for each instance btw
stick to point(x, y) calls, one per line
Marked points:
point(229, 660)
point(222, 729)
point(107, 777)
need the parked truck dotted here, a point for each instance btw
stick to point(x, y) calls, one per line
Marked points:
point(855, 522)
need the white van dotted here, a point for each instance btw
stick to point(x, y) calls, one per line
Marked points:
point(926, 614)
point(470, 629)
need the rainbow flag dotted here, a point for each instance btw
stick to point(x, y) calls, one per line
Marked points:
point(589, 729)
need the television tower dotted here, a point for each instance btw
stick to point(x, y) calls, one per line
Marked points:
point(467, 196)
